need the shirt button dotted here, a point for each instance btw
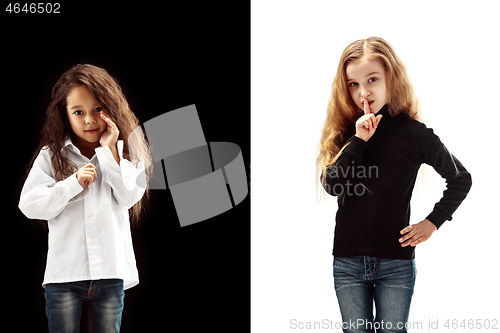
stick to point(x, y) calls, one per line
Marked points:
point(90, 216)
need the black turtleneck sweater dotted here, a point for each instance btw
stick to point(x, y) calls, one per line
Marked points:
point(374, 180)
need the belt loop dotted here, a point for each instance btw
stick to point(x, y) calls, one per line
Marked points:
point(364, 265)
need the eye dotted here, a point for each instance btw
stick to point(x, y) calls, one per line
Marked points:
point(99, 109)
point(353, 84)
point(373, 79)
point(78, 112)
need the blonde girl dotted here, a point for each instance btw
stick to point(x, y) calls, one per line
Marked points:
point(82, 181)
point(372, 146)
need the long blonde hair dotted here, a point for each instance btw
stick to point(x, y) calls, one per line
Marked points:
point(342, 112)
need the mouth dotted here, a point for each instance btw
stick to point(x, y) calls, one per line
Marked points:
point(92, 130)
point(370, 103)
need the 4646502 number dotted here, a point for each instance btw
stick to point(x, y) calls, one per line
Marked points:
point(34, 8)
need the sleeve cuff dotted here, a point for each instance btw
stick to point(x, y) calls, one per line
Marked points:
point(105, 157)
point(73, 186)
point(70, 189)
point(357, 146)
point(438, 218)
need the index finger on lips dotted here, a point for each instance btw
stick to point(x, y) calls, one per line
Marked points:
point(366, 106)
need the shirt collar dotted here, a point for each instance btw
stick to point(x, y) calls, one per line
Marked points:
point(386, 115)
point(384, 111)
point(68, 142)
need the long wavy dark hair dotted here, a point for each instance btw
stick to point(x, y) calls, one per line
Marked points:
point(106, 91)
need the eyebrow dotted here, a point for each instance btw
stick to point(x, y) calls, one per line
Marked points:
point(365, 76)
point(81, 106)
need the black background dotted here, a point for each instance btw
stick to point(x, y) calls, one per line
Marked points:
point(165, 57)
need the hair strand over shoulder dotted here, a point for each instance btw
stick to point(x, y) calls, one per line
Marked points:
point(56, 128)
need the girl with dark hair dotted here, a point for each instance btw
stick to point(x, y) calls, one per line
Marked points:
point(82, 180)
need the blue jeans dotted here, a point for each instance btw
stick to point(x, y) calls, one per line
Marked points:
point(105, 305)
point(362, 281)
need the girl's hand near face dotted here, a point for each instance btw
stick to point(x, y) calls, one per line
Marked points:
point(86, 175)
point(367, 124)
point(110, 135)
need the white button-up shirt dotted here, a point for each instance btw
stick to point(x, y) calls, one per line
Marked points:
point(89, 229)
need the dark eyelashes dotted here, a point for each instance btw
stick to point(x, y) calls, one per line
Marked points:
point(354, 84)
point(80, 112)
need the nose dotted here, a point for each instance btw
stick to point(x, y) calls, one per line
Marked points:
point(365, 93)
point(90, 120)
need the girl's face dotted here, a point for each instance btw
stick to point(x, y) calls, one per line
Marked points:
point(366, 78)
point(83, 115)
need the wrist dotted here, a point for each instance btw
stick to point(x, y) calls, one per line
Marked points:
point(112, 147)
point(114, 152)
point(432, 225)
point(365, 140)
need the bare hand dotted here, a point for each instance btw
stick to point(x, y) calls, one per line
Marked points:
point(86, 175)
point(367, 124)
point(110, 135)
point(417, 233)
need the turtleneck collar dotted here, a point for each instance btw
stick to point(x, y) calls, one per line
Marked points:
point(384, 111)
point(386, 115)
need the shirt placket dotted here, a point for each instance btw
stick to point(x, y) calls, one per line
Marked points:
point(92, 235)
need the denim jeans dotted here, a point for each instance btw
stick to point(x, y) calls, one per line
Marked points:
point(104, 305)
point(362, 281)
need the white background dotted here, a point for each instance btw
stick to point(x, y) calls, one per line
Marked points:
point(450, 49)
